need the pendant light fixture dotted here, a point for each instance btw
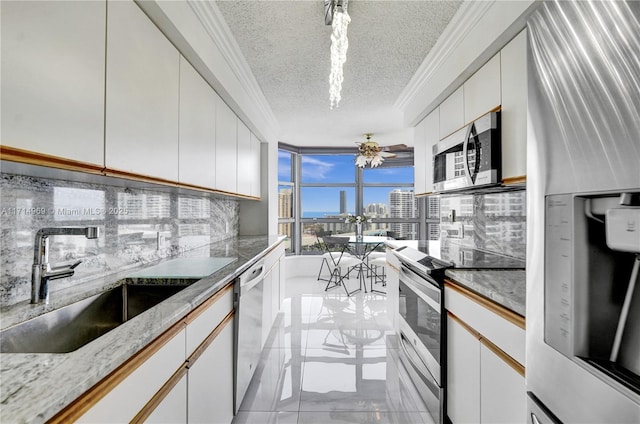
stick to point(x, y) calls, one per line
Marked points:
point(337, 16)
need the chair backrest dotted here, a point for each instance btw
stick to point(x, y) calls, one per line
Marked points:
point(319, 242)
point(336, 243)
point(337, 246)
point(394, 235)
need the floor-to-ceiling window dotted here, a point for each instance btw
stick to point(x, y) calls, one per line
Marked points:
point(318, 188)
point(286, 197)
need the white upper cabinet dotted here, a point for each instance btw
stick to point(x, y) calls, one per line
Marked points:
point(244, 164)
point(197, 128)
point(482, 90)
point(452, 113)
point(419, 159)
point(256, 166)
point(142, 95)
point(431, 137)
point(427, 133)
point(226, 148)
point(52, 85)
point(514, 107)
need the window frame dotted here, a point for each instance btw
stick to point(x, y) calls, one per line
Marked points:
point(298, 223)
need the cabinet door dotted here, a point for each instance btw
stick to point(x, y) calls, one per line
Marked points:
point(226, 148)
point(419, 159)
point(197, 140)
point(452, 113)
point(245, 160)
point(256, 166)
point(173, 408)
point(210, 381)
point(267, 308)
point(393, 287)
point(142, 95)
point(514, 107)
point(503, 392)
point(482, 90)
point(463, 374)
point(275, 292)
point(431, 137)
point(52, 83)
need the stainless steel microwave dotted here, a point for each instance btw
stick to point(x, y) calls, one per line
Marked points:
point(469, 158)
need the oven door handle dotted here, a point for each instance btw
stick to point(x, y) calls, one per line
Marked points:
point(415, 360)
point(419, 289)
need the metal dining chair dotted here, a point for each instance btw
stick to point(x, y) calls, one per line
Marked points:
point(339, 259)
point(378, 277)
point(326, 254)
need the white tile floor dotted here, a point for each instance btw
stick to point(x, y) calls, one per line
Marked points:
point(331, 359)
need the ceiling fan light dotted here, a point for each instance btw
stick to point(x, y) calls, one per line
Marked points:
point(376, 160)
point(361, 161)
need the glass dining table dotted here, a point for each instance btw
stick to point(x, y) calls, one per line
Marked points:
point(362, 247)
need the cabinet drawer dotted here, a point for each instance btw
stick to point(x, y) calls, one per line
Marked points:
point(503, 333)
point(125, 400)
point(200, 325)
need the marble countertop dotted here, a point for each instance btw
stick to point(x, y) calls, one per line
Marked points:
point(504, 287)
point(34, 387)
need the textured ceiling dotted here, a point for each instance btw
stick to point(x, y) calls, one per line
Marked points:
point(286, 44)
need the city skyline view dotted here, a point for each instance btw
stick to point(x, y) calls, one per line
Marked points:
point(337, 169)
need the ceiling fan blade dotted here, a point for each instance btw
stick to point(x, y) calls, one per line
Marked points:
point(395, 147)
point(387, 155)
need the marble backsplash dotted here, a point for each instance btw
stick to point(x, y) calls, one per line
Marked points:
point(494, 222)
point(137, 226)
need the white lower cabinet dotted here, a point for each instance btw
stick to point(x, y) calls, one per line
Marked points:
point(173, 408)
point(271, 290)
point(502, 390)
point(210, 382)
point(482, 386)
point(267, 312)
point(198, 358)
point(463, 374)
point(393, 286)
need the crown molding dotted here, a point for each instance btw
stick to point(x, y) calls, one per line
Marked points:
point(462, 23)
point(218, 30)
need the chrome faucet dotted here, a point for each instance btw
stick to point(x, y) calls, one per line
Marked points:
point(42, 271)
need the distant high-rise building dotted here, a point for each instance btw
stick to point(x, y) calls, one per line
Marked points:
point(285, 210)
point(402, 204)
point(343, 202)
point(378, 210)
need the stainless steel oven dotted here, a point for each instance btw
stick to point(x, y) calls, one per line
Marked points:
point(422, 337)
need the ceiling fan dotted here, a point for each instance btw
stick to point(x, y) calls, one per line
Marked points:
point(373, 154)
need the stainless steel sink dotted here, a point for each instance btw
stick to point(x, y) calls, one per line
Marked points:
point(71, 327)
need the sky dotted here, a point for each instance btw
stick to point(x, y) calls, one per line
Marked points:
point(339, 169)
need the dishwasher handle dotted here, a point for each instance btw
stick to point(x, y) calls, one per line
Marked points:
point(252, 277)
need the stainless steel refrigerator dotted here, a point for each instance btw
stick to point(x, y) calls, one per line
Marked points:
point(583, 200)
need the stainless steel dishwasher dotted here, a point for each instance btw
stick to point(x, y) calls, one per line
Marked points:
point(248, 297)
